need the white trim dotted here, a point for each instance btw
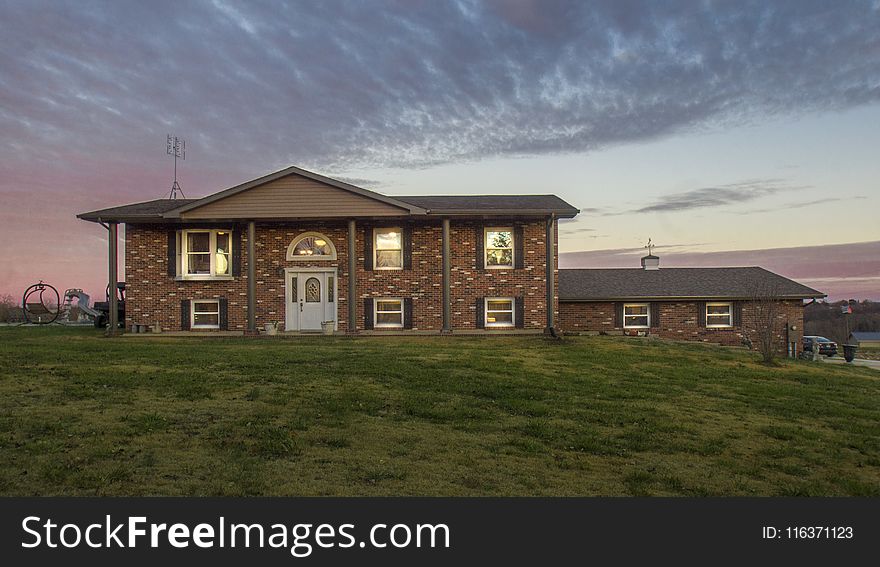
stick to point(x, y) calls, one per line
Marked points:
point(192, 313)
point(647, 315)
point(512, 312)
point(376, 248)
point(183, 254)
point(486, 231)
point(291, 257)
point(376, 324)
point(729, 306)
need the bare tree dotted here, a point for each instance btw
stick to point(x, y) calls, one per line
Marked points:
point(765, 309)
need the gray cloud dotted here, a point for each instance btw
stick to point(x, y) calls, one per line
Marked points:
point(335, 85)
point(721, 195)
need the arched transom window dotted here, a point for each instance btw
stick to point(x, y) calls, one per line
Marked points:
point(311, 246)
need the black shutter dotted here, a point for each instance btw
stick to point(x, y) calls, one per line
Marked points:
point(407, 247)
point(368, 313)
point(407, 313)
point(236, 252)
point(481, 313)
point(618, 315)
point(172, 253)
point(519, 312)
point(368, 249)
point(737, 313)
point(184, 315)
point(224, 314)
point(481, 254)
point(518, 257)
point(655, 314)
point(701, 313)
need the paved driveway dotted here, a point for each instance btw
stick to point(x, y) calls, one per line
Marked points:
point(875, 364)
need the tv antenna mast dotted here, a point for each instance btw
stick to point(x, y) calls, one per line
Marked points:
point(176, 147)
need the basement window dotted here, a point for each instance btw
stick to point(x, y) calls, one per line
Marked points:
point(205, 314)
point(499, 247)
point(499, 312)
point(719, 315)
point(388, 313)
point(206, 254)
point(636, 316)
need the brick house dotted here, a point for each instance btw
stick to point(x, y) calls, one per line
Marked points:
point(719, 305)
point(302, 250)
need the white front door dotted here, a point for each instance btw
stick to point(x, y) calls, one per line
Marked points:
point(310, 300)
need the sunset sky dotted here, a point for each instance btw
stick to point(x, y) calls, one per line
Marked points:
point(731, 133)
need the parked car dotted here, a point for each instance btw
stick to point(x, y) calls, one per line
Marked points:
point(826, 346)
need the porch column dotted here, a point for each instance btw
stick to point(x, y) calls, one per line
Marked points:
point(447, 297)
point(252, 279)
point(114, 304)
point(549, 238)
point(352, 279)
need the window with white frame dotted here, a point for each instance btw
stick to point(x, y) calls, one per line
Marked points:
point(388, 313)
point(387, 249)
point(719, 314)
point(499, 312)
point(205, 314)
point(636, 316)
point(498, 244)
point(311, 246)
point(206, 253)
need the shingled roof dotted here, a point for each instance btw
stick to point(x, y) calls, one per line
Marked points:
point(168, 210)
point(495, 204)
point(145, 211)
point(612, 284)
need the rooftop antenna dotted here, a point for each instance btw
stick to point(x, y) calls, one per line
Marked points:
point(650, 247)
point(176, 147)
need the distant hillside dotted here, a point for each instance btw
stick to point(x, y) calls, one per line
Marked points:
point(843, 271)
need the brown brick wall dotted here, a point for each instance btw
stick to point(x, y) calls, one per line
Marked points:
point(679, 320)
point(154, 297)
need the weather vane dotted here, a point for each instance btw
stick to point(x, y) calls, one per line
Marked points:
point(176, 147)
point(650, 247)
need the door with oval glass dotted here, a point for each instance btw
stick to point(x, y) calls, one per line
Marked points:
point(310, 300)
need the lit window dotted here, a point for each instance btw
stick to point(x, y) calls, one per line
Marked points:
point(499, 312)
point(499, 247)
point(206, 253)
point(205, 314)
point(387, 249)
point(311, 246)
point(719, 314)
point(636, 316)
point(388, 313)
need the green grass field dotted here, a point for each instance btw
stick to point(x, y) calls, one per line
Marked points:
point(83, 415)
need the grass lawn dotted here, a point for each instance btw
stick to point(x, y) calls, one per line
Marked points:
point(85, 415)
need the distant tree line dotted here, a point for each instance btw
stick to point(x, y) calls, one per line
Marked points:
point(831, 320)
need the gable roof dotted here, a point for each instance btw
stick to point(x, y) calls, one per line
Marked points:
point(173, 210)
point(611, 284)
point(292, 170)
